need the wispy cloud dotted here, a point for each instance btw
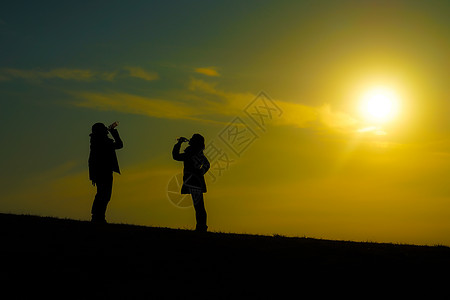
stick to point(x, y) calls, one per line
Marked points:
point(205, 102)
point(335, 119)
point(62, 73)
point(77, 74)
point(109, 76)
point(294, 114)
point(202, 102)
point(209, 71)
point(217, 99)
point(141, 73)
point(297, 115)
point(128, 103)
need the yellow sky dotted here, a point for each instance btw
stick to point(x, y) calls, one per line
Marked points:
point(319, 166)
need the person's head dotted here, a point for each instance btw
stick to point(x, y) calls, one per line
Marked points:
point(99, 129)
point(197, 141)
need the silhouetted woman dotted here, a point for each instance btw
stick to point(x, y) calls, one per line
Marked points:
point(102, 163)
point(195, 166)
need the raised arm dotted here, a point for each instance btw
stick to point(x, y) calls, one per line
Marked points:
point(118, 144)
point(176, 152)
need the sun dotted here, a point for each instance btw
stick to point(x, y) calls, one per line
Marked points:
point(379, 105)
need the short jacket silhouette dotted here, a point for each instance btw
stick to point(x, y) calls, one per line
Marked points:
point(195, 166)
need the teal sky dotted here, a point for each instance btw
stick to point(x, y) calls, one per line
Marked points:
point(171, 68)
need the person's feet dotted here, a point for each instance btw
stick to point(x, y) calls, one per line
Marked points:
point(98, 220)
point(201, 228)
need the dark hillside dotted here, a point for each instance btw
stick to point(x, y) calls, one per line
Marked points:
point(75, 259)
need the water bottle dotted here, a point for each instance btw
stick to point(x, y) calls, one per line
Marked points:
point(113, 125)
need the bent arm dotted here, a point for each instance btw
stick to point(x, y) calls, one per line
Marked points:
point(205, 165)
point(118, 144)
point(176, 152)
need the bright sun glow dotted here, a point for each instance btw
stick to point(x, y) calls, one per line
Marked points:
point(379, 105)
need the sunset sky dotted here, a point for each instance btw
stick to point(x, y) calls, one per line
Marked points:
point(354, 96)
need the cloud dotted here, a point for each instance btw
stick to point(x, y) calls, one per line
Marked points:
point(293, 114)
point(76, 74)
point(128, 103)
point(141, 73)
point(200, 85)
point(335, 119)
point(62, 73)
point(203, 108)
point(210, 71)
point(319, 117)
point(204, 102)
point(109, 76)
point(297, 115)
point(217, 99)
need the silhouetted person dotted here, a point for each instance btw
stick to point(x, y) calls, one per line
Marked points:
point(195, 166)
point(102, 163)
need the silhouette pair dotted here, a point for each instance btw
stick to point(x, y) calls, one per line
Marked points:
point(103, 162)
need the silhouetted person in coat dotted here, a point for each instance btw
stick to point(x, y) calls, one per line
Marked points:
point(195, 166)
point(102, 163)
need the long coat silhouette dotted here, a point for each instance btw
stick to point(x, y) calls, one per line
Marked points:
point(102, 163)
point(103, 158)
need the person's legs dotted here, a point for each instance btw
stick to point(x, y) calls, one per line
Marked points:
point(104, 191)
point(200, 211)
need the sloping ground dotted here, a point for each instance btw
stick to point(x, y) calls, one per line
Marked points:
point(67, 259)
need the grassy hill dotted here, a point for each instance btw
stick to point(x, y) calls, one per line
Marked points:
point(68, 259)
